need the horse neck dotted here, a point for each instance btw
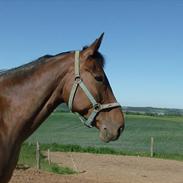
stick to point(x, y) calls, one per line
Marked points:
point(34, 96)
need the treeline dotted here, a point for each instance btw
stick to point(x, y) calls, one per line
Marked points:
point(150, 111)
point(154, 114)
point(62, 108)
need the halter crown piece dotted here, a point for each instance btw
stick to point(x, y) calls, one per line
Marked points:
point(97, 107)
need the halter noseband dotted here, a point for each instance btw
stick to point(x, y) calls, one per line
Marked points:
point(97, 107)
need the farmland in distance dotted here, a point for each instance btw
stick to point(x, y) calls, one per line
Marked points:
point(66, 128)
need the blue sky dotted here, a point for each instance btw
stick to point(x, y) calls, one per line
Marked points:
point(143, 42)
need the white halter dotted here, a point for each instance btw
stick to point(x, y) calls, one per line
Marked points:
point(97, 107)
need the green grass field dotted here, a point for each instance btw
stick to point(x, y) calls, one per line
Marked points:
point(65, 128)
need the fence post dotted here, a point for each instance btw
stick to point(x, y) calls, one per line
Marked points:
point(152, 147)
point(49, 158)
point(74, 164)
point(37, 155)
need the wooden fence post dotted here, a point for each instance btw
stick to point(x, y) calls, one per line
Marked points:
point(49, 157)
point(37, 155)
point(152, 147)
point(74, 164)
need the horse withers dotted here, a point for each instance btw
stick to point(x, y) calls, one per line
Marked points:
point(28, 95)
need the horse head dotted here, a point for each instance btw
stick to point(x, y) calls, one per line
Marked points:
point(88, 93)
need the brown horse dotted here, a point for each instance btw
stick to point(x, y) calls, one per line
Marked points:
point(28, 94)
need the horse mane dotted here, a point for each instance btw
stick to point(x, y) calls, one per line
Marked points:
point(31, 66)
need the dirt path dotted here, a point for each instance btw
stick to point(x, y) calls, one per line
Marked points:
point(106, 169)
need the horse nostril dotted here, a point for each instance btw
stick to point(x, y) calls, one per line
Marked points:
point(104, 127)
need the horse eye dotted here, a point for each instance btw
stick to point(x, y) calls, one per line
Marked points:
point(99, 78)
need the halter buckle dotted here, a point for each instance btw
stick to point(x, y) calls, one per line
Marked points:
point(97, 107)
point(77, 80)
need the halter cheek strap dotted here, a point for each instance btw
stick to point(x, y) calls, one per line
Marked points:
point(97, 107)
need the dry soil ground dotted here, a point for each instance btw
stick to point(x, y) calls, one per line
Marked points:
point(106, 169)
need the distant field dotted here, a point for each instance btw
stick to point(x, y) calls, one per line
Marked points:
point(65, 128)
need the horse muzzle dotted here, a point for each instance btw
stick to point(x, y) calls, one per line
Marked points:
point(107, 135)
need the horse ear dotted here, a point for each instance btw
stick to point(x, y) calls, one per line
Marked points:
point(93, 47)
